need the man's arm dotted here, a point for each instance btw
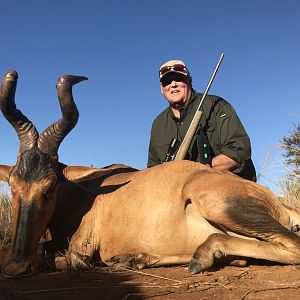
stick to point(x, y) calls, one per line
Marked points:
point(153, 159)
point(223, 162)
point(235, 147)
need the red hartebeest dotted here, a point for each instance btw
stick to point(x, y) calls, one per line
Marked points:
point(170, 214)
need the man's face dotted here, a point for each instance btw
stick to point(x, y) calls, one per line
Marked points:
point(177, 89)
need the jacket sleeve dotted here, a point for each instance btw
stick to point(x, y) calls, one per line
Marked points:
point(232, 136)
point(153, 159)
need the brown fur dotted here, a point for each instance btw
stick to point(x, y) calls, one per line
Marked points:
point(151, 212)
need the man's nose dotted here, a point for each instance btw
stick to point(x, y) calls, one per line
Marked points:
point(174, 83)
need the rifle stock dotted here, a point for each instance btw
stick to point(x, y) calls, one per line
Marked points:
point(184, 147)
point(181, 153)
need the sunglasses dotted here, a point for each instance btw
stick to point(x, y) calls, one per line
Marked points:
point(178, 77)
point(176, 68)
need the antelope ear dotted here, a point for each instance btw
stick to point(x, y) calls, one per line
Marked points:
point(81, 173)
point(4, 172)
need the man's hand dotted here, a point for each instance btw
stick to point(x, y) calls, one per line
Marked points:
point(223, 162)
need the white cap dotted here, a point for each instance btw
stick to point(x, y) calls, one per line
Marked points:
point(170, 68)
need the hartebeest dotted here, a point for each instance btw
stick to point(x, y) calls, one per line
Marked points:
point(168, 214)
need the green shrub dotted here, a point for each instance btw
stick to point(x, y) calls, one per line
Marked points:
point(290, 185)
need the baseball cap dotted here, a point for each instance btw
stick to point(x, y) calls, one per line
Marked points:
point(173, 66)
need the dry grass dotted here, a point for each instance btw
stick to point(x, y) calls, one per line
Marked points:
point(5, 218)
point(291, 192)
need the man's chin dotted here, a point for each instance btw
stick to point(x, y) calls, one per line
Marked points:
point(178, 105)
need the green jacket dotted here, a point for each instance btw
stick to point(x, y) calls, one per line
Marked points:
point(219, 125)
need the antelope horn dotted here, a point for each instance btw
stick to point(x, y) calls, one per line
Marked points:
point(26, 131)
point(52, 136)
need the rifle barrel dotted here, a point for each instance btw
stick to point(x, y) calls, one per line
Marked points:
point(196, 119)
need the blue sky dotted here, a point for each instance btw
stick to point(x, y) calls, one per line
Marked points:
point(119, 46)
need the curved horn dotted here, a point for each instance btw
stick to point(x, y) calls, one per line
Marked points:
point(26, 131)
point(51, 137)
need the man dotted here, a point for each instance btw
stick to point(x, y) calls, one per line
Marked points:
point(220, 141)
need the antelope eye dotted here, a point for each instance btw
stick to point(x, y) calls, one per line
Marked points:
point(49, 189)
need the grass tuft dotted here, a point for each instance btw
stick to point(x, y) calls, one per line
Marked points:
point(5, 218)
point(291, 192)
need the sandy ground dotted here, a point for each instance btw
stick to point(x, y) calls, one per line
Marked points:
point(252, 282)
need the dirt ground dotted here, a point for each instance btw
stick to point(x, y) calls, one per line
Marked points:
point(252, 282)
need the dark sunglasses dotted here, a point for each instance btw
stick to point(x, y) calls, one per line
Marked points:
point(176, 68)
point(170, 77)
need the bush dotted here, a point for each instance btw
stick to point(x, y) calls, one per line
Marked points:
point(5, 218)
point(290, 185)
point(291, 145)
point(291, 193)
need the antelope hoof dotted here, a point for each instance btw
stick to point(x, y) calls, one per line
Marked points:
point(196, 266)
point(70, 79)
point(121, 259)
point(141, 261)
point(79, 262)
point(134, 261)
point(61, 263)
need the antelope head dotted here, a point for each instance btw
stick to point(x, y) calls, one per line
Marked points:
point(34, 177)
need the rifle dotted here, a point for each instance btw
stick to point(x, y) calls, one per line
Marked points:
point(193, 126)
